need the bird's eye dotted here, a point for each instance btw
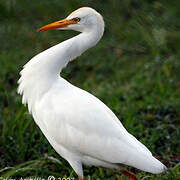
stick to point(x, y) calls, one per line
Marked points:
point(76, 19)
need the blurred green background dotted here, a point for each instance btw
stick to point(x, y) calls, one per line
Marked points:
point(134, 70)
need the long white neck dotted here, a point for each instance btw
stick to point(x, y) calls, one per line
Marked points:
point(43, 70)
point(57, 57)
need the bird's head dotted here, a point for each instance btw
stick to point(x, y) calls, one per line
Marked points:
point(83, 20)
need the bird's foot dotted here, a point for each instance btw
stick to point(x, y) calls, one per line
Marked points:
point(131, 175)
point(81, 178)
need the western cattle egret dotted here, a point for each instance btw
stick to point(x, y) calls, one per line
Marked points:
point(80, 127)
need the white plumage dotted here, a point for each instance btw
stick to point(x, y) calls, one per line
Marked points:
point(80, 127)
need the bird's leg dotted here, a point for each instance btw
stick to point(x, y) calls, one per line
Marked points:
point(81, 178)
point(131, 175)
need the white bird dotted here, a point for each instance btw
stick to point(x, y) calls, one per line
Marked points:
point(80, 127)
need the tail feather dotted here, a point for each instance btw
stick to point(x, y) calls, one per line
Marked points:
point(147, 163)
point(141, 158)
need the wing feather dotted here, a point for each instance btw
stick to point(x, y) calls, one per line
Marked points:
point(78, 121)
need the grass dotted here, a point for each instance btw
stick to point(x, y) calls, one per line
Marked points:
point(134, 70)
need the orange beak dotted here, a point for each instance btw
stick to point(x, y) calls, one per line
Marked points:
point(58, 24)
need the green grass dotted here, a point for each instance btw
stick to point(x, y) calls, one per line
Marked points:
point(134, 70)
